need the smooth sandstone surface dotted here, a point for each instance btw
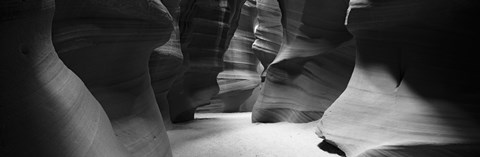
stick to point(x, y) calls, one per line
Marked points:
point(313, 65)
point(46, 110)
point(232, 134)
point(413, 90)
point(108, 44)
point(240, 77)
point(268, 31)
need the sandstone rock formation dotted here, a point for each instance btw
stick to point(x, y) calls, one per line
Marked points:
point(206, 29)
point(167, 64)
point(94, 85)
point(413, 91)
point(268, 31)
point(46, 110)
point(313, 65)
point(108, 44)
point(240, 77)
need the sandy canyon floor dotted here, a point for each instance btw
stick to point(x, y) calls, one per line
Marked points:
point(233, 135)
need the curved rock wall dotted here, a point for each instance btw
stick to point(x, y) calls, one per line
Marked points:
point(313, 65)
point(206, 29)
point(108, 44)
point(240, 77)
point(46, 109)
point(167, 64)
point(413, 91)
point(268, 31)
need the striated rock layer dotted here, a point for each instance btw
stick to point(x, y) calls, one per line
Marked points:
point(46, 110)
point(268, 34)
point(239, 76)
point(206, 29)
point(268, 31)
point(313, 65)
point(166, 64)
point(414, 89)
point(108, 44)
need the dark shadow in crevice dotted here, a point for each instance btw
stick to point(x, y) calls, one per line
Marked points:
point(330, 148)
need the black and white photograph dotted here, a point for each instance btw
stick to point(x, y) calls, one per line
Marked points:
point(239, 78)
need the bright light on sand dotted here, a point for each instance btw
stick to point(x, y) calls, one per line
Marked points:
point(233, 134)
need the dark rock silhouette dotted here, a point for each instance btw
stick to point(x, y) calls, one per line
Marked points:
point(46, 109)
point(167, 63)
point(206, 29)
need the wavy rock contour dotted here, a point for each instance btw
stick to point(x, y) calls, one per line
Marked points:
point(167, 64)
point(46, 109)
point(240, 77)
point(268, 31)
point(108, 44)
point(206, 29)
point(413, 90)
point(313, 65)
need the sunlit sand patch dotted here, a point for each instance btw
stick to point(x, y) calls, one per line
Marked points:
point(233, 134)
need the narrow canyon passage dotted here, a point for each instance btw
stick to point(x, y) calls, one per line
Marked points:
point(233, 134)
point(233, 78)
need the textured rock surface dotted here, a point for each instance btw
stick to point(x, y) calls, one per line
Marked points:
point(108, 45)
point(413, 91)
point(240, 76)
point(313, 66)
point(268, 32)
point(167, 64)
point(206, 29)
point(46, 110)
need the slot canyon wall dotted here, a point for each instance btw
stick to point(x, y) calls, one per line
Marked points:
point(313, 65)
point(95, 73)
point(47, 110)
point(240, 79)
point(408, 94)
point(108, 44)
point(268, 32)
point(167, 63)
point(413, 90)
point(108, 77)
point(127, 55)
point(206, 28)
